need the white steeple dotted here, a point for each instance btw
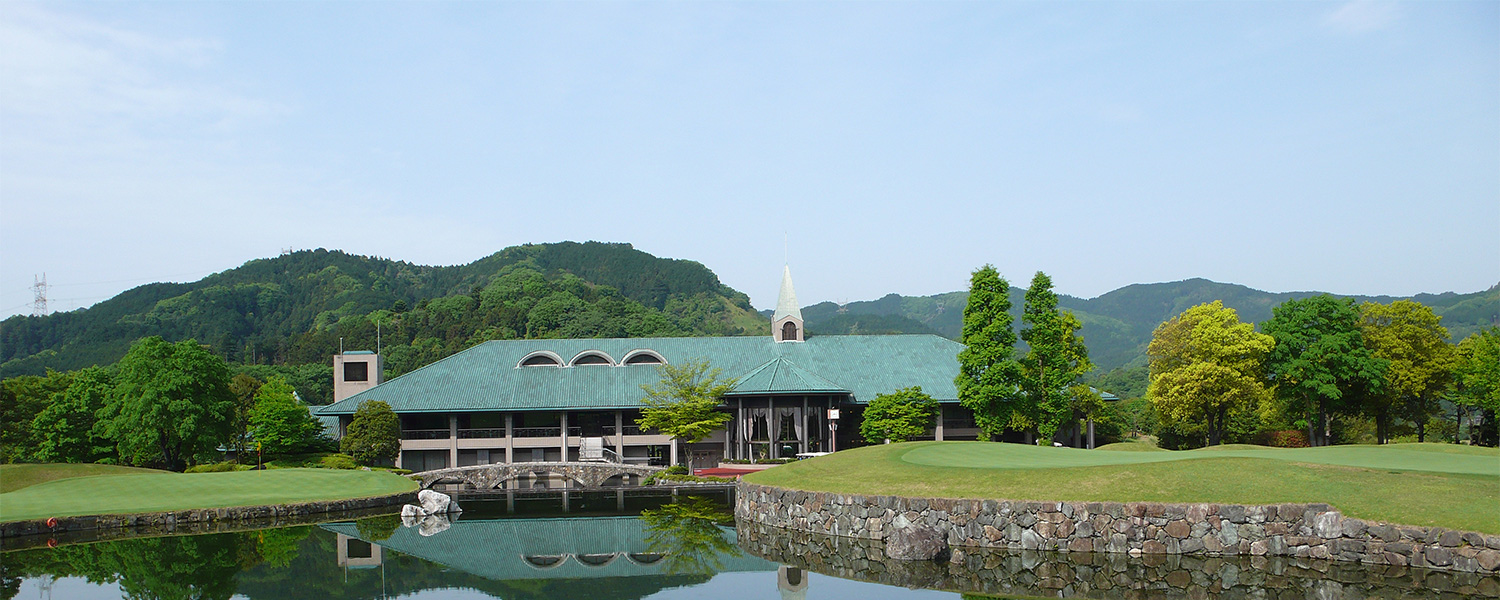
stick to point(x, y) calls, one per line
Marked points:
point(786, 323)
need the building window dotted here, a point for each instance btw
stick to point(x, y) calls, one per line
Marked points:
point(644, 358)
point(789, 331)
point(356, 371)
point(541, 360)
point(591, 359)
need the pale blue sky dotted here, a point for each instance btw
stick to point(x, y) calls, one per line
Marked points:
point(1349, 147)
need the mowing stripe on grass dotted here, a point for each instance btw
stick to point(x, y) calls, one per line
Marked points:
point(1395, 457)
point(158, 492)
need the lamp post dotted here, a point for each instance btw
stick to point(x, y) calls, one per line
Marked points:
point(833, 426)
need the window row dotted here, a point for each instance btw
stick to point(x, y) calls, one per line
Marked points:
point(591, 358)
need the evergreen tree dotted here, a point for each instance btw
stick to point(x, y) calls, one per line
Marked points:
point(1055, 359)
point(989, 376)
point(374, 434)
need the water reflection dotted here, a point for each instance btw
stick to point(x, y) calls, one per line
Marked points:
point(608, 546)
point(691, 535)
point(1109, 576)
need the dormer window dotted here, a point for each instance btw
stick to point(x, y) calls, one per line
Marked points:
point(644, 357)
point(541, 359)
point(590, 359)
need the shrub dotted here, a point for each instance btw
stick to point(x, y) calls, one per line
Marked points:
point(219, 467)
point(677, 470)
point(338, 461)
point(1289, 438)
point(374, 434)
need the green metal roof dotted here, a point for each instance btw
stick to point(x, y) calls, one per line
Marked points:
point(781, 376)
point(487, 378)
point(498, 549)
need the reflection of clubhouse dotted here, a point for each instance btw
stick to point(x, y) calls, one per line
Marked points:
point(539, 400)
point(549, 548)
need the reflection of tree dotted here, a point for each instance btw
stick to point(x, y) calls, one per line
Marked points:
point(278, 547)
point(687, 533)
point(198, 567)
point(378, 529)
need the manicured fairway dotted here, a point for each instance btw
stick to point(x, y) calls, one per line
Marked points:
point(1441, 458)
point(153, 492)
point(1430, 484)
point(15, 477)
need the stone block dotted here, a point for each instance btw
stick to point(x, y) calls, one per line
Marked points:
point(916, 543)
point(1327, 525)
point(1450, 539)
point(1153, 547)
point(1353, 528)
point(1438, 556)
point(1030, 540)
point(1234, 513)
point(1489, 559)
point(1081, 545)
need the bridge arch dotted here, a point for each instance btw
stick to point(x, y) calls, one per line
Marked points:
point(485, 477)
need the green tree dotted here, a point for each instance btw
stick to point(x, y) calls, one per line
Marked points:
point(21, 400)
point(243, 386)
point(685, 403)
point(1412, 339)
point(68, 430)
point(1055, 359)
point(1477, 375)
point(689, 535)
point(282, 425)
point(374, 434)
point(1320, 362)
point(1206, 365)
point(988, 374)
point(898, 416)
point(170, 404)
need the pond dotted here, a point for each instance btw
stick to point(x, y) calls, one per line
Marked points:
point(645, 544)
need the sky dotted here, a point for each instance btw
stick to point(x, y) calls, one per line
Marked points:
point(1352, 147)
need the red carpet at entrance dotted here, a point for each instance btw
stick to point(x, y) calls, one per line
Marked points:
point(720, 472)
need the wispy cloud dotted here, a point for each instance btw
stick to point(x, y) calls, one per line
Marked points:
point(1361, 16)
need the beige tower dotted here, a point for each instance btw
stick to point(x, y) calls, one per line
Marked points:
point(355, 372)
point(786, 323)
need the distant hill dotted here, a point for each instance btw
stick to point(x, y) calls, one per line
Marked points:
point(293, 309)
point(1117, 326)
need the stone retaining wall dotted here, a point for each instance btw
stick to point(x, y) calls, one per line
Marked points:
point(1136, 528)
point(169, 522)
point(1029, 573)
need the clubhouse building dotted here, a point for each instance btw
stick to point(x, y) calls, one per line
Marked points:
point(509, 401)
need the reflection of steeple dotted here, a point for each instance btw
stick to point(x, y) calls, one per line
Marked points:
point(791, 582)
point(786, 323)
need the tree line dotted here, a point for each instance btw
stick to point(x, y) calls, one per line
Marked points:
point(172, 406)
point(1311, 374)
point(1319, 364)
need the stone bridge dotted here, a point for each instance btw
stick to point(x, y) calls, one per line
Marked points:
point(484, 477)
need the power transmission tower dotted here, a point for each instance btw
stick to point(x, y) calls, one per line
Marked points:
point(39, 304)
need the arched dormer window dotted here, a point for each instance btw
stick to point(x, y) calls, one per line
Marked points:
point(591, 358)
point(644, 357)
point(788, 331)
point(541, 359)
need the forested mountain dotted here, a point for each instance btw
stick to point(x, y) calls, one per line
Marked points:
point(1117, 326)
point(294, 309)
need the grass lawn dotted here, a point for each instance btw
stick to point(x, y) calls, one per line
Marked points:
point(154, 491)
point(15, 477)
point(1416, 484)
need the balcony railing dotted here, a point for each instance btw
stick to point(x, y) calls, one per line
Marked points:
point(609, 430)
point(488, 432)
point(535, 432)
point(424, 434)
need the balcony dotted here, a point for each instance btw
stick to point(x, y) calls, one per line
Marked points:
point(536, 432)
point(426, 434)
point(609, 430)
point(486, 433)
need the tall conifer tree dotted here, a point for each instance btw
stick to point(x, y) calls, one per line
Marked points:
point(988, 372)
point(1055, 359)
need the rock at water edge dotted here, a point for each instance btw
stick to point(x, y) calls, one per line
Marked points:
point(916, 543)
